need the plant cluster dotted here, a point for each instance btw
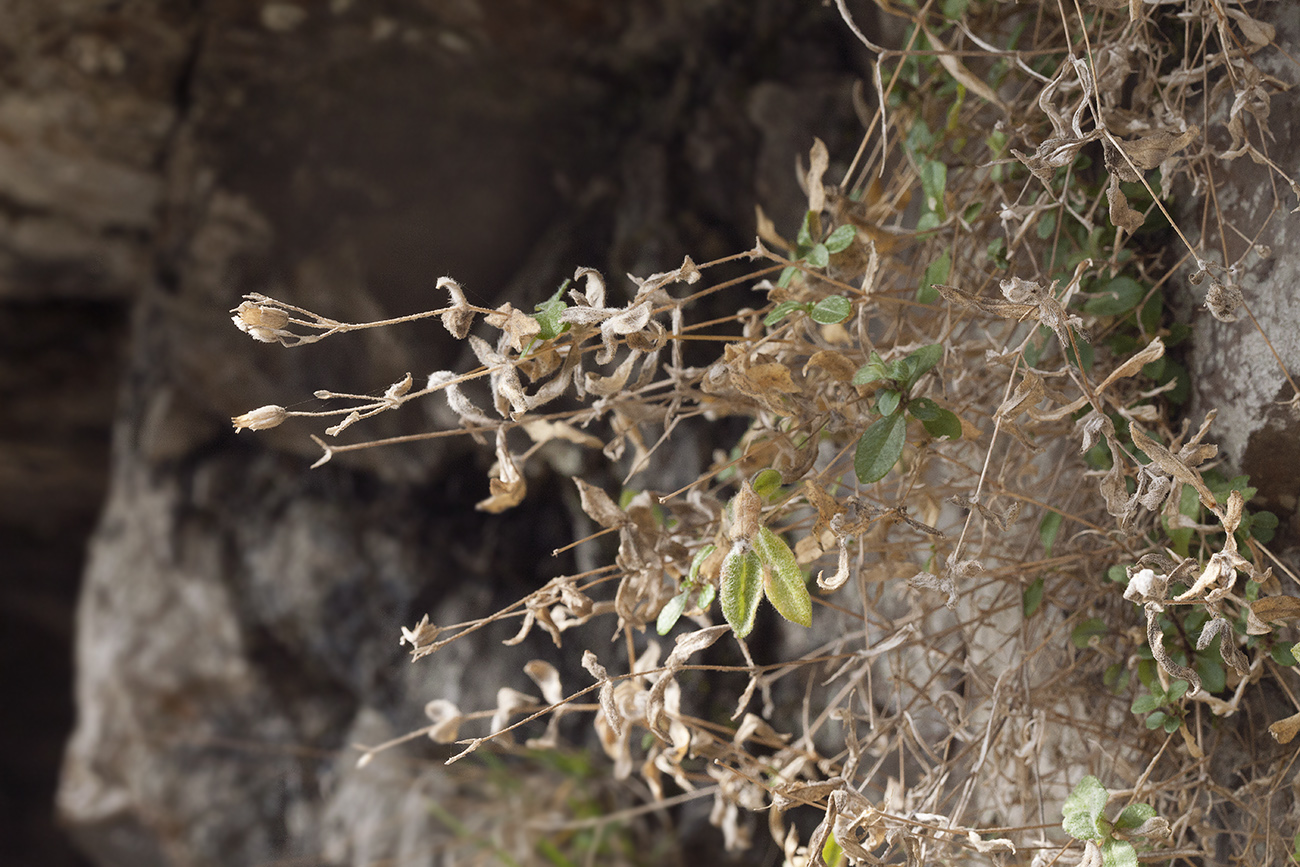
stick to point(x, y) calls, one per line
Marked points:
point(964, 473)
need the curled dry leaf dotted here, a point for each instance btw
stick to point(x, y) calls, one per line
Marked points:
point(1284, 730)
point(460, 317)
point(518, 329)
point(445, 718)
point(599, 507)
point(1272, 609)
point(607, 704)
point(508, 488)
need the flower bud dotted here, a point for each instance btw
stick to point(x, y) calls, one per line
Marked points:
point(262, 418)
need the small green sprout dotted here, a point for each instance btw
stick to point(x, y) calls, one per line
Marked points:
point(882, 442)
point(1084, 819)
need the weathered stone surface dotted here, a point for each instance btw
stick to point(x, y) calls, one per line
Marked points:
point(1247, 369)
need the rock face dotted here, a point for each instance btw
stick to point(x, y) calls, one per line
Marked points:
point(1247, 369)
point(238, 624)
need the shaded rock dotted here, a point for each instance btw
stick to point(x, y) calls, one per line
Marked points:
point(1248, 375)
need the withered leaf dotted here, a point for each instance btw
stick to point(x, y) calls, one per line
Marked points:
point(1276, 608)
point(1284, 730)
point(772, 377)
point(835, 364)
point(598, 505)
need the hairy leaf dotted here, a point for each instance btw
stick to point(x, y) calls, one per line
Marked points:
point(742, 588)
point(783, 582)
point(1082, 809)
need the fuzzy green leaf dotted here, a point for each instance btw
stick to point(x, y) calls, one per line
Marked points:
point(1134, 815)
point(818, 256)
point(782, 310)
point(841, 238)
point(783, 581)
point(671, 613)
point(742, 588)
point(829, 311)
point(880, 448)
point(766, 483)
point(1082, 809)
point(707, 594)
point(548, 316)
point(698, 560)
point(1118, 853)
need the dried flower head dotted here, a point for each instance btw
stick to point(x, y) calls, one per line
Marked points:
point(262, 418)
point(262, 322)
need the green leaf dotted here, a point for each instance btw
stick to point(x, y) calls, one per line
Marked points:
point(1116, 677)
point(787, 274)
point(697, 561)
point(548, 314)
point(923, 409)
point(1156, 720)
point(1134, 815)
point(887, 401)
point(783, 581)
point(1118, 853)
point(872, 371)
point(841, 238)
point(1281, 654)
point(946, 425)
point(833, 855)
point(782, 310)
point(1032, 597)
point(1117, 297)
point(936, 272)
point(766, 483)
point(1046, 225)
point(707, 593)
point(832, 310)
point(923, 360)
point(804, 238)
point(1213, 677)
point(819, 256)
point(1084, 632)
point(671, 613)
point(1171, 724)
point(1263, 525)
point(1048, 529)
point(742, 588)
point(880, 448)
point(1146, 703)
point(1177, 689)
point(934, 183)
point(1082, 809)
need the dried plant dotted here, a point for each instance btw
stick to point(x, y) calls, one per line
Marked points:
point(963, 420)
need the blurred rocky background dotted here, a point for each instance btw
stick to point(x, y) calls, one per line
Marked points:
point(234, 614)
